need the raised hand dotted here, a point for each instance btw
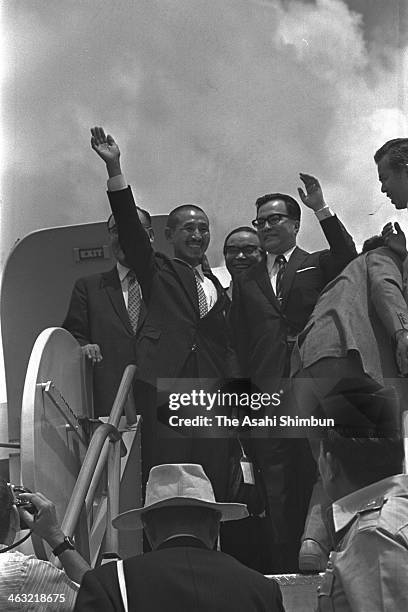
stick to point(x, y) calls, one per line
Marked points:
point(44, 523)
point(313, 198)
point(107, 149)
point(395, 240)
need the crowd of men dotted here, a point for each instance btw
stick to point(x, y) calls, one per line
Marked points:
point(327, 331)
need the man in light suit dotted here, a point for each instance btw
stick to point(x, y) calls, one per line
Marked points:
point(367, 518)
point(98, 318)
point(356, 337)
point(184, 333)
point(270, 305)
point(183, 572)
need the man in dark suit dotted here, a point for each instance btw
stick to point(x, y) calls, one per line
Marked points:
point(183, 572)
point(271, 304)
point(184, 333)
point(98, 317)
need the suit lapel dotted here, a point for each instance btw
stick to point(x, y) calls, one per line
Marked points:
point(186, 275)
point(142, 314)
point(295, 263)
point(221, 294)
point(264, 282)
point(113, 288)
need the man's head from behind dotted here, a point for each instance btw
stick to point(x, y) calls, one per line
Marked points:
point(242, 250)
point(277, 222)
point(145, 220)
point(188, 230)
point(347, 463)
point(392, 165)
point(179, 502)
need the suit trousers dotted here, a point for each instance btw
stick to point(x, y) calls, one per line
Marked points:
point(163, 444)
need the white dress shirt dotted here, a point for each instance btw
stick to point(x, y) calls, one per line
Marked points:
point(273, 267)
point(323, 213)
point(208, 286)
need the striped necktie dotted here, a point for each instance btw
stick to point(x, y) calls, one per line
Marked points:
point(281, 263)
point(134, 300)
point(202, 300)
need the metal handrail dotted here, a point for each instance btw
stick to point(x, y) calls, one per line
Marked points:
point(94, 452)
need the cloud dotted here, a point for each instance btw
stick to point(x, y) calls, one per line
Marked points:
point(212, 102)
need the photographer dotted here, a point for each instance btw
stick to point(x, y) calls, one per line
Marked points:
point(25, 580)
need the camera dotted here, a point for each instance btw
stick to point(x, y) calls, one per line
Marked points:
point(24, 504)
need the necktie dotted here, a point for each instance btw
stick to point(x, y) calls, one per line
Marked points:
point(281, 263)
point(134, 300)
point(202, 300)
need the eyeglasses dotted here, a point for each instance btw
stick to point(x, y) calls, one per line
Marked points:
point(272, 220)
point(250, 249)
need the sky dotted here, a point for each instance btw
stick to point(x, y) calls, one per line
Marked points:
point(211, 101)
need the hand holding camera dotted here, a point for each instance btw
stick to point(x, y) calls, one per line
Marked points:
point(38, 514)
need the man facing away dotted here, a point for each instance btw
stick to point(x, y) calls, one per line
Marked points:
point(370, 295)
point(104, 314)
point(367, 570)
point(183, 572)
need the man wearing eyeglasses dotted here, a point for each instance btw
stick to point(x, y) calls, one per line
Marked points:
point(270, 306)
point(242, 250)
point(104, 314)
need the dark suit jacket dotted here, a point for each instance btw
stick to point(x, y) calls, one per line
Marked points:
point(173, 342)
point(183, 576)
point(172, 329)
point(261, 325)
point(97, 314)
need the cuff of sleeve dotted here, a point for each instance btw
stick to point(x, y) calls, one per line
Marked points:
point(116, 183)
point(324, 213)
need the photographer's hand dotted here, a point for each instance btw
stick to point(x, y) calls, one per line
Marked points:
point(45, 524)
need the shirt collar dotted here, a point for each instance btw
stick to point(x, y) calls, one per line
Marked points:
point(270, 257)
point(199, 271)
point(182, 539)
point(122, 271)
point(346, 508)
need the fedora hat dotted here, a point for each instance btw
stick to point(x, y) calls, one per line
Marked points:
point(178, 484)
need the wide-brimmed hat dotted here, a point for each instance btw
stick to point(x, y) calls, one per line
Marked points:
point(178, 484)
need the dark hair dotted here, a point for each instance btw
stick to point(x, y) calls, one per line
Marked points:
point(243, 228)
point(365, 460)
point(173, 217)
point(292, 206)
point(142, 210)
point(397, 150)
point(6, 503)
point(372, 243)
